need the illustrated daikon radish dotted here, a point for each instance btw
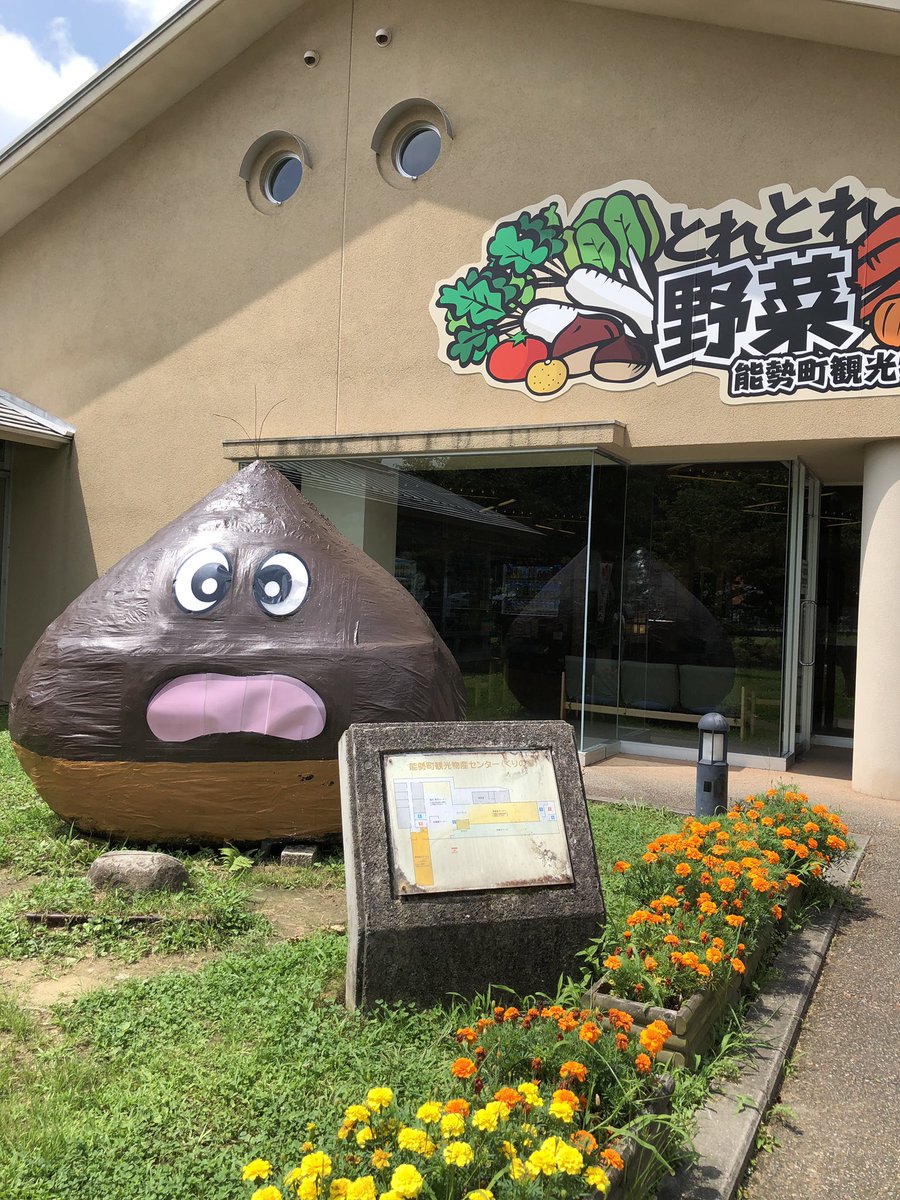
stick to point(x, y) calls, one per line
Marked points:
point(590, 288)
point(546, 320)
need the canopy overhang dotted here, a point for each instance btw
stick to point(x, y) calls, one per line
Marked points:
point(24, 422)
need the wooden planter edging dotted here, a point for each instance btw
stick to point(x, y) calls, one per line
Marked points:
point(641, 1163)
point(694, 1023)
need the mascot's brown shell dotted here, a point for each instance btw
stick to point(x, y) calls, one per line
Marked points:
point(197, 690)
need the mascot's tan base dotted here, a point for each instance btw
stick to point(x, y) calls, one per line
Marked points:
point(191, 802)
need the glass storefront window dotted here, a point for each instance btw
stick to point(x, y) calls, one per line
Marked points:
point(626, 600)
point(837, 611)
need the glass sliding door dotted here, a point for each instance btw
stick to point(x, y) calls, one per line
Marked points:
point(686, 603)
point(837, 614)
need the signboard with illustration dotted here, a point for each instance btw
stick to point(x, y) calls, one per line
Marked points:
point(796, 298)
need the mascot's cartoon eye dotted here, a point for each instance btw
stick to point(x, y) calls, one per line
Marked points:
point(280, 584)
point(202, 581)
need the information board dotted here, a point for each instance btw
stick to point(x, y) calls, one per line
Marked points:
point(471, 820)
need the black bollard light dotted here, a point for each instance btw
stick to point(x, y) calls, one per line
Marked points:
point(712, 765)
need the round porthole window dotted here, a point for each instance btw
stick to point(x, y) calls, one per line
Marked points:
point(416, 150)
point(281, 177)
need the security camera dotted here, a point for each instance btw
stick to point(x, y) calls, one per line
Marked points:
point(382, 37)
point(310, 57)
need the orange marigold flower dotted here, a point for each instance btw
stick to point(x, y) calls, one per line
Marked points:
point(508, 1096)
point(650, 963)
point(725, 884)
point(483, 1023)
point(564, 1096)
point(612, 1158)
point(511, 1014)
point(672, 939)
point(622, 1042)
point(793, 880)
point(466, 1034)
point(705, 878)
point(683, 869)
point(463, 1068)
point(612, 962)
point(642, 1064)
point(703, 970)
point(654, 1036)
point(573, 1070)
point(738, 966)
point(816, 869)
point(458, 1105)
point(714, 955)
point(650, 857)
point(567, 1022)
point(585, 1141)
point(777, 912)
point(621, 866)
point(589, 1032)
point(620, 1020)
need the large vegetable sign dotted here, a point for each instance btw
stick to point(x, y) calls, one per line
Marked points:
point(796, 298)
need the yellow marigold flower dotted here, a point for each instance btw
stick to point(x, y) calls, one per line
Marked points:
point(364, 1136)
point(569, 1160)
point(266, 1193)
point(597, 1178)
point(389, 1196)
point(562, 1110)
point(379, 1098)
point(480, 1194)
point(416, 1140)
point(487, 1118)
point(517, 1169)
point(406, 1181)
point(430, 1112)
point(258, 1169)
point(337, 1189)
point(509, 1150)
point(380, 1159)
point(457, 1154)
point(316, 1166)
point(357, 1113)
point(362, 1189)
point(541, 1162)
point(531, 1093)
point(452, 1126)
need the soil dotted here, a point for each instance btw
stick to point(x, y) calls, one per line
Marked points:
point(39, 985)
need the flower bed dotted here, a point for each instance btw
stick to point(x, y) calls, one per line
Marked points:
point(542, 1103)
point(717, 891)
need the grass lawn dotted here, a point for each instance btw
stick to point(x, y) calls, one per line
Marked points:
point(163, 1087)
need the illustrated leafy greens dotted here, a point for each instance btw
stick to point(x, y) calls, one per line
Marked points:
point(537, 252)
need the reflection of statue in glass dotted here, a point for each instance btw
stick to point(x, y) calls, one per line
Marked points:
point(637, 643)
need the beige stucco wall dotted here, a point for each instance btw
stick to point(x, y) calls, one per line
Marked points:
point(149, 301)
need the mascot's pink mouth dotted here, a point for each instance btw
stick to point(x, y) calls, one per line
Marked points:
point(193, 706)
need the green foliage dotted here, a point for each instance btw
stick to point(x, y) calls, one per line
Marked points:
point(168, 1086)
point(235, 862)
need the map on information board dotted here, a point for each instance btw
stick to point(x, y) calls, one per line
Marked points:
point(464, 820)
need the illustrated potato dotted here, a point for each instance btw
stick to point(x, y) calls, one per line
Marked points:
point(198, 689)
point(546, 378)
point(886, 322)
point(622, 360)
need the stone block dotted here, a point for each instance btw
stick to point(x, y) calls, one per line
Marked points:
point(416, 941)
point(300, 856)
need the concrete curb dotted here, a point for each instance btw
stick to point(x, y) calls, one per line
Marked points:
point(728, 1125)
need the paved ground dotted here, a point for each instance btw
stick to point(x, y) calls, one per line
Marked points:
point(843, 1139)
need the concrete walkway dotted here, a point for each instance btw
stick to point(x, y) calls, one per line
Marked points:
point(841, 1136)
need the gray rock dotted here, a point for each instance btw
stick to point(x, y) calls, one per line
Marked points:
point(139, 871)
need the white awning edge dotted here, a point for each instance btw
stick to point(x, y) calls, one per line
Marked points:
point(24, 422)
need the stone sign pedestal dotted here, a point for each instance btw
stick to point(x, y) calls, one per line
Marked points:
point(469, 856)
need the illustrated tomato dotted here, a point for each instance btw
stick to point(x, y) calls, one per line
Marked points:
point(511, 361)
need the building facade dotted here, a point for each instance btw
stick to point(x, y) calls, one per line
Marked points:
point(583, 321)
